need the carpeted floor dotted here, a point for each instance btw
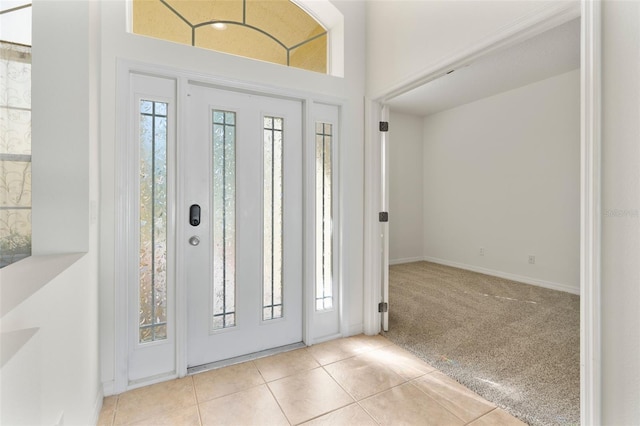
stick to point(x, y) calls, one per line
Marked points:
point(516, 345)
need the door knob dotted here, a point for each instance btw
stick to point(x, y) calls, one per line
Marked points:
point(194, 241)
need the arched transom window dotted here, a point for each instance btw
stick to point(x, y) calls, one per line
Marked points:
point(276, 31)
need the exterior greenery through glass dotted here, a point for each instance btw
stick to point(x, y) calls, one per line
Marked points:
point(224, 219)
point(15, 135)
point(324, 216)
point(272, 229)
point(153, 221)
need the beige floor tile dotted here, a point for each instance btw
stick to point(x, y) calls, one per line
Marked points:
point(339, 349)
point(227, 380)
point(400, 361)
point(351, 415)
point(255, 406)
point(109, 402)
point(331, 351)
point(308, 394)
point(108, 411)
point(106, 417)
point(362, 376)
point(408, 405)
point(285, 364)
point(497, 417)
point(150, 401)
point(364, 342)
point(187, 416)
point(462, 402)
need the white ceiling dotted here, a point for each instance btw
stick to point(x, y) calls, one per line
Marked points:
point(548, 54)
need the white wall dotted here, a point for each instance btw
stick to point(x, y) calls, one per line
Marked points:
point(621, 213)
point(405, 188)
point(50, 356)
point(406, 37)
point(503, 174)
point(50, 346)
point(118, 44)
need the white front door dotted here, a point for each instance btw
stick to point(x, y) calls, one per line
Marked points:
point(241, 166)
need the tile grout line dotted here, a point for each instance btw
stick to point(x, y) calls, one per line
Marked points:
point(341, 387)
point(368, 413)
point(481, 416)
point(278, 402)
point(115, 410)
point(266, 383)
point(441, 405)
point(195, 395)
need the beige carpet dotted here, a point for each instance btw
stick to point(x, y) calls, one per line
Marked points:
point(516, 345)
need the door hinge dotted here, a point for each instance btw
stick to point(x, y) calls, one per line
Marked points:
point(383, 307)
point(383, 217)
point(384, 126)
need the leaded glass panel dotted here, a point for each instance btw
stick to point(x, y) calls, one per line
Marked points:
point(323, 217)
point(272, 229)
point(153, 221)
point(276, 31)
point(224, 206)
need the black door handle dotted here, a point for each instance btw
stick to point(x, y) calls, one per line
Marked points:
point(194, 215)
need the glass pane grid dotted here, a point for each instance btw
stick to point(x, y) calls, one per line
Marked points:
point(153, 221)
point(324, 232)
point(273, 218)
point(224, 171)
point(15, 146)
point(277, 31)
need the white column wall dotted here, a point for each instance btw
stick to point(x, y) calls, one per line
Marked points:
point(50, 372)
point(621, 213)
point(405, 188)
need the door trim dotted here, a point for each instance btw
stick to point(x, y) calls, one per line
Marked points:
point(543, 19)
point(122, 209)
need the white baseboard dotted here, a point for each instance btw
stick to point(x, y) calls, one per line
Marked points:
point(108, 388)
point(355, 329)
point(506, 275)
point(405, 260)
point(326, 338)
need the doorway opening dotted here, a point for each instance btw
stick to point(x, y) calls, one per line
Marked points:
point(589, 192)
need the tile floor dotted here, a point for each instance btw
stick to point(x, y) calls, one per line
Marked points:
point(360, 380)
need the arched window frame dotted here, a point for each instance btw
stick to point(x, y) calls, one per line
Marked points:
point(324, 12)
point(332, 19)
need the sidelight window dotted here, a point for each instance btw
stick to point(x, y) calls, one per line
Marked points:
point(323, 216)
point(224, 210)
point(153, 221)
point(15, 131)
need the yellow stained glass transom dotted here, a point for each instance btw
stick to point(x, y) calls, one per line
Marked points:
point(277, 31)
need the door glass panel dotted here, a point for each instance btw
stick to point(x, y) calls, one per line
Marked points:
point(272, 229)
point(324, 281)
point(224, 224)
point(153, 221)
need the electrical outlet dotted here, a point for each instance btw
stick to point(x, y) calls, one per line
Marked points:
point(481, 253)
point(532, 259)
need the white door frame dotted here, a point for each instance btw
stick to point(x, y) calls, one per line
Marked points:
point(311, 102)
point(543, 19)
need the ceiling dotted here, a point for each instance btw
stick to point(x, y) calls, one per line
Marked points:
point(548, 54)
